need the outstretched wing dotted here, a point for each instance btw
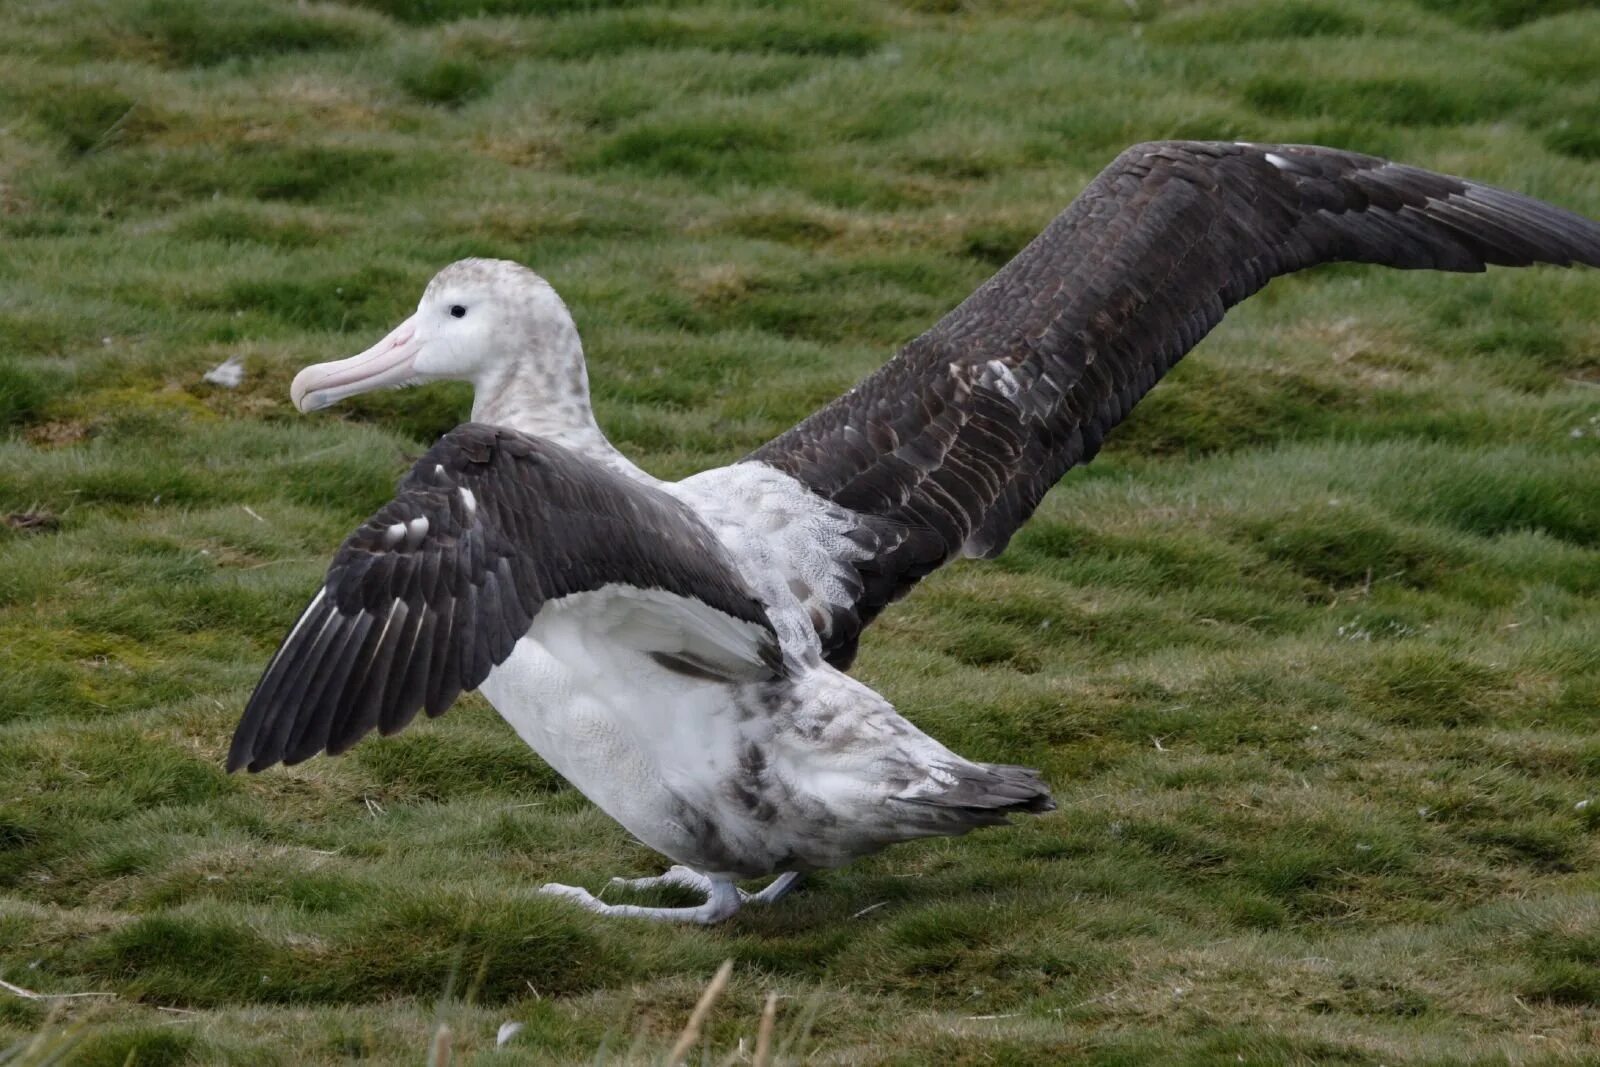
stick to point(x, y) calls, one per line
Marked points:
point(436, 589)
point(949, 447)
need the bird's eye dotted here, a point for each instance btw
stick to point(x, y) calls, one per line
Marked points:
point(457, 311)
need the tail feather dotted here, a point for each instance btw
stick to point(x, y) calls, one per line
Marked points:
point(984, 794)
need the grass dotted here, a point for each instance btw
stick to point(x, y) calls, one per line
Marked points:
point(1309, 654)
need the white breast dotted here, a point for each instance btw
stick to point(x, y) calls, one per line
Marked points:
point(643, 742)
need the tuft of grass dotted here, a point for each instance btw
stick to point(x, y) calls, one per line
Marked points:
point(840, 32)
point(1226, 408)
point(254, 223)
point(157, 180)
point(1500, 14)
point(88, 117)
point(1260, 22)
point(24, 393)
point(441, 767)
point(365, 300)
point(447, 80)
point(422, 12)
point(1341, 547)
point(716, 150)
point(1396, 100)
point(1577, 136)
point(1565, 966)
point(208, 32)
point(148, 1046)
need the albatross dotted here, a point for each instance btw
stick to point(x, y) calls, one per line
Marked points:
point(677, 650)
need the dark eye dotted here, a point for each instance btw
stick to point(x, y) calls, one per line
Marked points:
point(457, 311)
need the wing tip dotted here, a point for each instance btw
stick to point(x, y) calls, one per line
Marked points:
point(241, 750)
point(245, 759)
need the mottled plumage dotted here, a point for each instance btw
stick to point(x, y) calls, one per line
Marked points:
point(675, 650)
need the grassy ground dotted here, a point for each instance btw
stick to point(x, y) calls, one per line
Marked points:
point(1310, 654)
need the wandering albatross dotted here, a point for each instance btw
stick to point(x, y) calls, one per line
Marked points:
point(677, 650)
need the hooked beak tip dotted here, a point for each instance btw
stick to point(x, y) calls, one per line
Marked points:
point(304, 398)
point(387, 363)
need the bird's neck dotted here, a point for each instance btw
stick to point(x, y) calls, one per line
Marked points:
point(548, 397)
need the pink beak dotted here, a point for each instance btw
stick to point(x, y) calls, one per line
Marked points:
point(390, 362)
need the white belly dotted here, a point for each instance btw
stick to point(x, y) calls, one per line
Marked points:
point(650, 747)
point(575, 731)
point(730, 778)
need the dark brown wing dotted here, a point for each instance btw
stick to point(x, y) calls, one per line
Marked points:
point(436, 589)
point(949, 447)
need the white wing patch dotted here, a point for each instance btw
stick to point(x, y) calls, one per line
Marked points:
point(686, 629)
point(411, 531)
point(470, 501)
point(998, 377)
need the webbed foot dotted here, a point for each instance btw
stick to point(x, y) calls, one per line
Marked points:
point(722, 901)
point(681, 877)
point(723, 898)
point(677, 875)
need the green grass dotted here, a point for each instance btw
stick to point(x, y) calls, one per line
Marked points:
point(1311, 654)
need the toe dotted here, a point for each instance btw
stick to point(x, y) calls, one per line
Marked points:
point(571, 892)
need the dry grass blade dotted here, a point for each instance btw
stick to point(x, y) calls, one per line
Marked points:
point(28, 994)
point(439, 1048)
point(769, 1019)
point(697, 1018)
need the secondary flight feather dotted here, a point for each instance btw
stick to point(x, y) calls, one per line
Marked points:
point(676, 649)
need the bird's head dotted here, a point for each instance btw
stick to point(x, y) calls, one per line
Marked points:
point(475, 317)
